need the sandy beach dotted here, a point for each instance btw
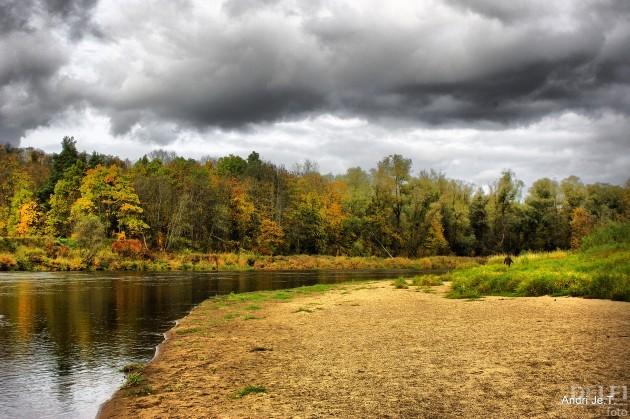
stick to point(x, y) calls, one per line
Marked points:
point(370, 350)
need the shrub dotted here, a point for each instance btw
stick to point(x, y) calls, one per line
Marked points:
point(54, 250)
point(7, 262)
point(133, 379)
point(28, 258)
point(425, 263)
point(59, 264)
point(105, 260)
point(89, 233)
point(35, 255)
point(536, 286)
point(7, 245)
point(609, 285)
point(611, 233)
point(127, 247)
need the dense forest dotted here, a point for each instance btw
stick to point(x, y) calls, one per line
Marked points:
point(229, 204)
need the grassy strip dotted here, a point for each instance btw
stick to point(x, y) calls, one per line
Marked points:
point(240, 306)
point(278, 295)
point(596, 274)
point(601, 269)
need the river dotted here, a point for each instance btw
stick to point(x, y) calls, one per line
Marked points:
point(64, 337)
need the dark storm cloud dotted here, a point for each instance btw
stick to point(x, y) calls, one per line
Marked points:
point(33, 48)
point(455, 62)
point(19, 15)
point(516, 11)
point(27, 95)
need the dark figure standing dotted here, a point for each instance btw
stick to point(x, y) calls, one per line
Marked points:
point(508, 261)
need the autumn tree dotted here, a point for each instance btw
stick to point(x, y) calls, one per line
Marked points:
point(390, 177)
point(22, 172)
point(158, 196)
point(605, 202)
point(242, 213)
point(66, 192)
point(108, 193)
point(270, 237)
point(307, 231)
point(543, 219)
point(581, 225)
point(435, 243)
point(24, 214)
point(479, 222)
point(423, 194)
point(390, 180)
point(505, 213)
point(355, 201)
point(231, 203)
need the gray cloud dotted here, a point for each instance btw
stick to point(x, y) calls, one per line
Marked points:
point(26, 15)
point(34, 46)
point(178, 65)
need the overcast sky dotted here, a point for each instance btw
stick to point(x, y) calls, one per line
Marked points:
point(468, 87)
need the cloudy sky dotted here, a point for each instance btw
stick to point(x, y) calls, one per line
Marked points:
point(468, 87)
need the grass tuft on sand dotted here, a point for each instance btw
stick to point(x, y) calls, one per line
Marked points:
point(400, 283)
point(250, 390)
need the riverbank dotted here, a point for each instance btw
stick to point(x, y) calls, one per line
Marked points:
point(370, 349)
point(42, 256)
point(599, 269)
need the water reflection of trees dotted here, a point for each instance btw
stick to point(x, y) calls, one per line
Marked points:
point(81, 320)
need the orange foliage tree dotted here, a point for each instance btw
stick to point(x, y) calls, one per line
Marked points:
point(581, 225)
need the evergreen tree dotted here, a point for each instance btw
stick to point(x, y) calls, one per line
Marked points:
point(60, 163)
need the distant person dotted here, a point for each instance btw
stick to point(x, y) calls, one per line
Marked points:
point(508, 261)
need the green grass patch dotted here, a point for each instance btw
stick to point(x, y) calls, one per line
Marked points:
point(246, 296)
point(254, 298)
point(133, 379)
point(314, 289)
point(427, 280)
point(282, 295)
point(188, 331)
point(598, 270)
point(400, 283)
point(250, 390)
point(612, 235)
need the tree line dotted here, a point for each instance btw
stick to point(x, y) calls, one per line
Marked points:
point(230, 204)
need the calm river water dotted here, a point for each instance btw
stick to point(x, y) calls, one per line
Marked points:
point(65, 336)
